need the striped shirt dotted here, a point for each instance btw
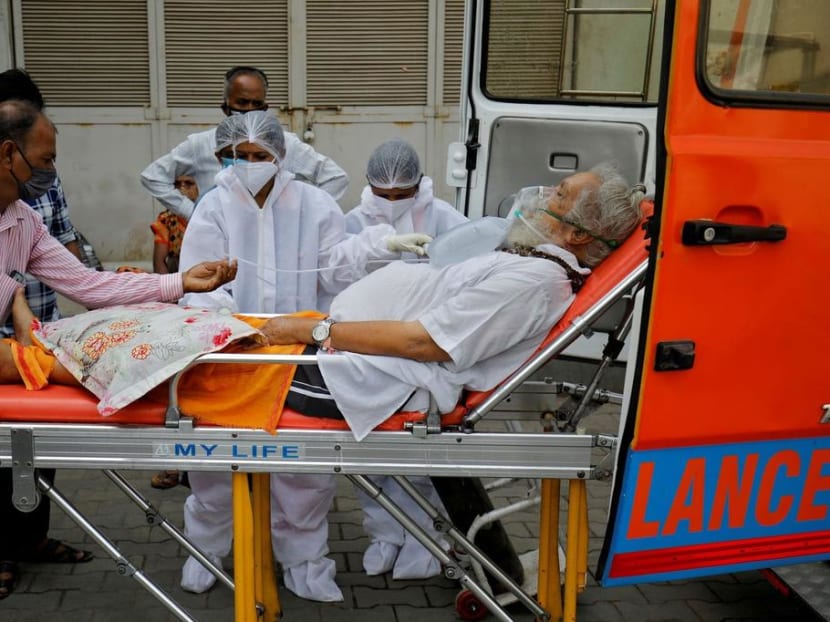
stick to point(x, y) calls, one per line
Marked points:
point(42, 299)
point(26, 246)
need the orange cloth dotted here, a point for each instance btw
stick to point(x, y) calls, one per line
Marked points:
point(34, 364)
point(234, 395)
point(168, 230)
point(240, 394)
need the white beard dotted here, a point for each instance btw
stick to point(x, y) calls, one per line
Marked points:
point(530, 231)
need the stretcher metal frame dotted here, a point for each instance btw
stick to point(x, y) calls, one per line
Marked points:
point(423, 448)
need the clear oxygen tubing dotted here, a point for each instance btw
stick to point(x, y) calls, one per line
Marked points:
point(261, 268)
point(462, 242)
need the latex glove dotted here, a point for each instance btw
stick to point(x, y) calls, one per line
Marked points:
point(408, 243)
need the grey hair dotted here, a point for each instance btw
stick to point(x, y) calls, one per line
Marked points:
point(609, 211)
point(243, 70)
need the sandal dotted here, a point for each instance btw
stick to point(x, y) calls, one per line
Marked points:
point(56, 552)
point(8, 578)
point(165, 479)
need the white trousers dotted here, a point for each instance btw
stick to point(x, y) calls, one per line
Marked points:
point(391, 547)
point(299, 524)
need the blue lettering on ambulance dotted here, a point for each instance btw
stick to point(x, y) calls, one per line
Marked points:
point(270, 451)
point(186, 450)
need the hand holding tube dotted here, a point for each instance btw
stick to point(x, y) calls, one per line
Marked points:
point(409, 243)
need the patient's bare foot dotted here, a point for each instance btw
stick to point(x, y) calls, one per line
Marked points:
point(22, 318)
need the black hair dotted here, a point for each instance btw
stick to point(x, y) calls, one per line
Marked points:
point(18, 84)
point(17, 117)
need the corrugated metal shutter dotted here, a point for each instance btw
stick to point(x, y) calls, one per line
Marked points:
point(88, 52)
point(372, 52)
point(205, 38)
point(453, 42)
point(524, 48)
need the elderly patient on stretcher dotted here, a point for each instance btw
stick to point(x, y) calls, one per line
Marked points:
point(403, 332)
point(393, 339)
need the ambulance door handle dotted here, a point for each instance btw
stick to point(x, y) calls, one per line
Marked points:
point(709, 232)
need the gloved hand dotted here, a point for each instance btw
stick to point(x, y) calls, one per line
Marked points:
point(409, 243)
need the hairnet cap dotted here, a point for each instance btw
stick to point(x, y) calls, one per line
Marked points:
point(393, 164)
point(258, 127)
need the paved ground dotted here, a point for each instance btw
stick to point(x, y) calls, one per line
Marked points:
point(95, 592)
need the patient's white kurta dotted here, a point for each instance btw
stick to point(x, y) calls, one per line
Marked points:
point(488, 313)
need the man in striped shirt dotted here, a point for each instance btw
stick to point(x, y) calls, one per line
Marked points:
point(52, 207)
point(42, 299)
point(27, 153)
point(27, 170)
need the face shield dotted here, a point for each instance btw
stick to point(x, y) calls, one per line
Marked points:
point(530, 209)
point(533, 206)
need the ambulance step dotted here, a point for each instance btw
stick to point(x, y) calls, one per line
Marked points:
point(812, 584)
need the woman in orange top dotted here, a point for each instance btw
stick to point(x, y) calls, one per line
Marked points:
point(168, 230)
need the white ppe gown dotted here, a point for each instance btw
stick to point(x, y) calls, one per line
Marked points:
point(428, 215)
point(196, 155)
point(300, 227)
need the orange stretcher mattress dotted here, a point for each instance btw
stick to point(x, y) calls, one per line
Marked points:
point(61, 404)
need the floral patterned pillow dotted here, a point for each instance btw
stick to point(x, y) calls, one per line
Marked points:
point(120, 353)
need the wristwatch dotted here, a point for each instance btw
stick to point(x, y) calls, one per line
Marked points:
point(322, 331)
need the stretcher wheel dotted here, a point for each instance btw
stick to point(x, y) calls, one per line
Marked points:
point(469, 607)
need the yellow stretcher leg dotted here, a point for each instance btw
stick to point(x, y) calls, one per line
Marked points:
point(265, 583)
point(243, 551)
point(577, 536)
point(549, 588)
point(582, 567)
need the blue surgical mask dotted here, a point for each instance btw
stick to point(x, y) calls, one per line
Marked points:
point(226, 162)
point(37, 185)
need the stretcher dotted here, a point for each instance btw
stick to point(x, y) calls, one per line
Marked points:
point(59, 427)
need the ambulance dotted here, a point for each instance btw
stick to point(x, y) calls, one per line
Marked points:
point(722, 109)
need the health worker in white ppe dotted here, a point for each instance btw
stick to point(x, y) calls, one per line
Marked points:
point(246, 89)
point(286, 234)
point(400, 195)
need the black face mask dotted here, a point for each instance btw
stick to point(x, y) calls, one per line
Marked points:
point(234, 111)
point(37, 185)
